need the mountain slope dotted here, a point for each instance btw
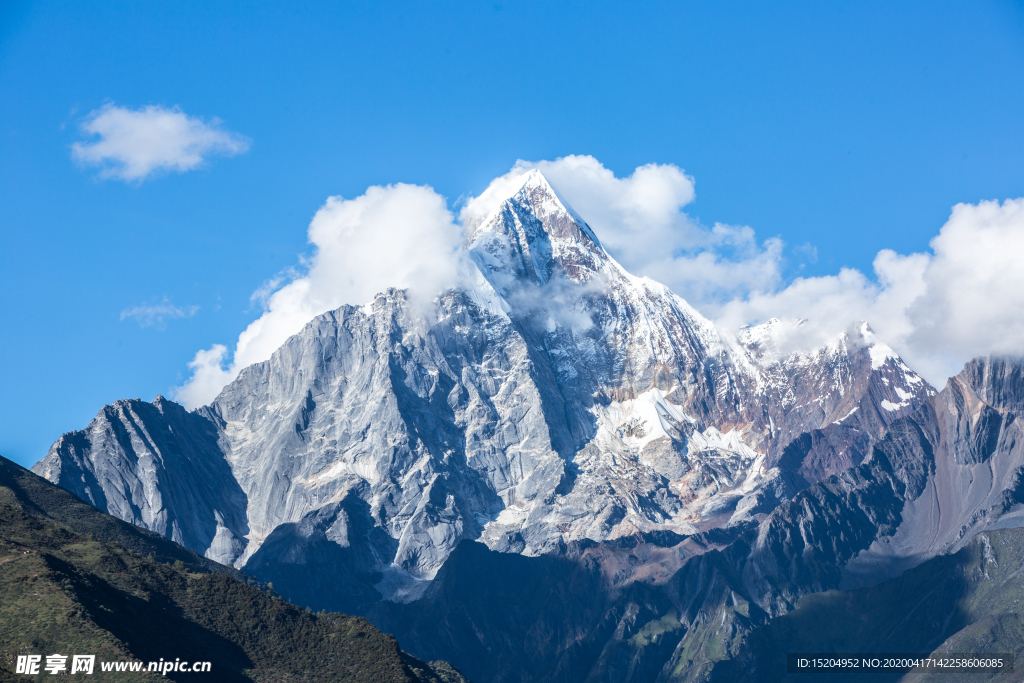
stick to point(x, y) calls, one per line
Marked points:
point(939, 476)
point(968, 601)
point(77, 581)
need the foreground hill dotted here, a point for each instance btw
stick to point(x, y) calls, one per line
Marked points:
point(74, 580)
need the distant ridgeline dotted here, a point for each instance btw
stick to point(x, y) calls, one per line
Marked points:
point(74, 580)
point(563, 472)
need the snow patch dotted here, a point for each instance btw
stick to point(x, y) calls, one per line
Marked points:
point(910, 377)
point(639, 421)
point(755, 477)
point(362, 468)
point(512, 516)
point(712, 439)
point(486, 297)
point(840, 420)
point(880, 353)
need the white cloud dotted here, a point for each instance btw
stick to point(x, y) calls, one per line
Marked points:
point(938, 310)
point(133, 144)
point(208, 377)
point(156, 315)
point(396, 236)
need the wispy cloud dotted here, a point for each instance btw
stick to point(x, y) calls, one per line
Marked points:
point(135, 143)
point(156, 315)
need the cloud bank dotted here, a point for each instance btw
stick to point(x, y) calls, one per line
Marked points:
point(134, 144)
point(938, 310)
point(963, 298)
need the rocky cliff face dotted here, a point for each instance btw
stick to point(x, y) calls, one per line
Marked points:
point(938, 478)
point(558, 410)
point(160, 467)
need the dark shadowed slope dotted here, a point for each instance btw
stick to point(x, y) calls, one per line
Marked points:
point(969, 601)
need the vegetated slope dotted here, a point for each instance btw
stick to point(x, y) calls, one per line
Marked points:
point(39, 498)
point(74, 580)
point(967, 602)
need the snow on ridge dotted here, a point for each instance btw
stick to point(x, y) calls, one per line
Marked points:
point(758, 334)
point(486, 208)
point(880, 351)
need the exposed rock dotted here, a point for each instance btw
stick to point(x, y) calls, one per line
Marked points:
point(160, 467)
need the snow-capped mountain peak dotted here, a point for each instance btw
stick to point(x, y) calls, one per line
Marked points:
point(563, 399)
point(531, 235)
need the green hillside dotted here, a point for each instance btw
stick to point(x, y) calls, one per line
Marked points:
point(74, 580)
point(969, 601)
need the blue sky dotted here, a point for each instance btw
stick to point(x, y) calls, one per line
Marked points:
point(842, 128)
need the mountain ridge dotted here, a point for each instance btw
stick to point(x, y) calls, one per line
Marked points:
point(716, 604)
point(558, 409)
